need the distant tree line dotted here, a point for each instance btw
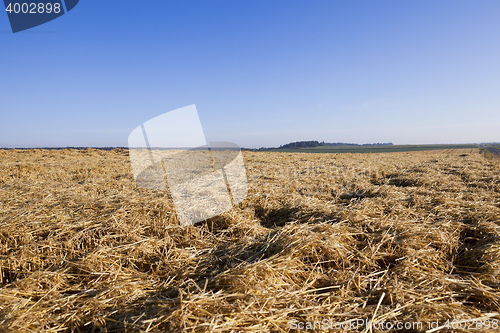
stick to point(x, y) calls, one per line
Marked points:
point(312, 144)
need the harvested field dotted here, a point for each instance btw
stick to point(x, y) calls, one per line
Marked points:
point(395, 237)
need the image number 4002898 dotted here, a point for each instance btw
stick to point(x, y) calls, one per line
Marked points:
point(26, 14)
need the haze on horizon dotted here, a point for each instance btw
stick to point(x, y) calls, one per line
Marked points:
point(261, 73)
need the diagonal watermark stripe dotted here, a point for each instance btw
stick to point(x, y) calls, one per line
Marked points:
point(171, 150)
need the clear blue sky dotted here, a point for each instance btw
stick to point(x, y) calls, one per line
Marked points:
point(261, 72)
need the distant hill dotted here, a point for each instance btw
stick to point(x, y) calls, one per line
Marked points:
point(312, 144)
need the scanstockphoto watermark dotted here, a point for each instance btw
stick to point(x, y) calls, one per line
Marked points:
point(170, 152)
point(366, 324)
point(355, 324)
point(331, 180)
point(25, 15)
point(309, 169)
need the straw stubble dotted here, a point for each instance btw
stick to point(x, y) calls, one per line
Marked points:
point(385, 237)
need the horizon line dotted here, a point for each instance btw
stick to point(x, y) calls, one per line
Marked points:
point(346, 143)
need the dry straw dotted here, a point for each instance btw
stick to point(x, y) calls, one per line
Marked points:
point(384, 237)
